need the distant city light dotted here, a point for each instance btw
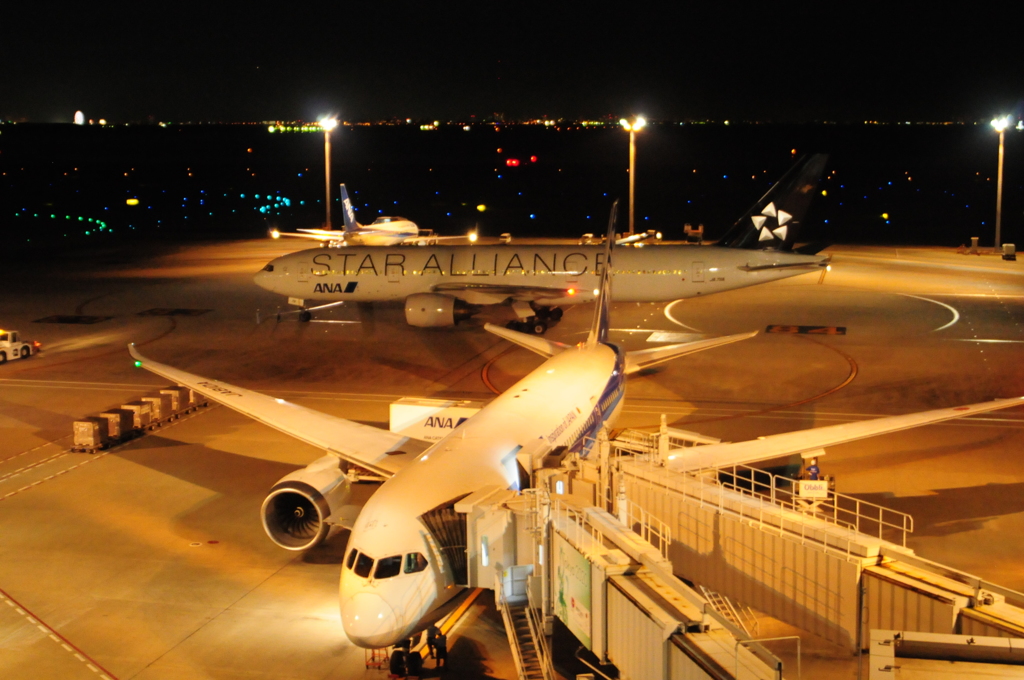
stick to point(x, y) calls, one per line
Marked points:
point(481, 207)
point(132, 201)
point(79, 118)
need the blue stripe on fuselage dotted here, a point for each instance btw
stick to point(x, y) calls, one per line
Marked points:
point(612, 394)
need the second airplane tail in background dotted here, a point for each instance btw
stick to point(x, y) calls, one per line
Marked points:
point(773, 223)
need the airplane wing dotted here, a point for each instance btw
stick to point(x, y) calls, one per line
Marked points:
point(789, 443)
point(313, 235)
point(534, 343)
point(380, 451)
point(638, 360)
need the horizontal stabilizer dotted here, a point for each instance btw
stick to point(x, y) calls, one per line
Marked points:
point(791, 443)
point(645, 358)
point(379, 451)
point(534, 343)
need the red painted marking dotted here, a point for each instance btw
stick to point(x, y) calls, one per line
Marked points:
point(961, 408)
point(52, 630)
point(213, 542)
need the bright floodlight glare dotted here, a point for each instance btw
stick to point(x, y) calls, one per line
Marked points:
point(329, 124)
point(624, 123)
point(473, 237)
point(639, 123)
point(1000, 124)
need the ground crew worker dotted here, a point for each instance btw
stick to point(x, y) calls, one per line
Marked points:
point(813, 471)
point(432, 633)
point(441, 650)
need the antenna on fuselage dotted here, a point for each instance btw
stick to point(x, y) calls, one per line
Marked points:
point(599, 329)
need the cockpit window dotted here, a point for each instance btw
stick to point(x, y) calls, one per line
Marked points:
point(415, 562)
point(351, 557)
point(364, 563)
point(388, 567)
point(269, 268)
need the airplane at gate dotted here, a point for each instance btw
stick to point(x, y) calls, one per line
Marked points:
point(384, 231)
point(442, 285)
point(406, 560)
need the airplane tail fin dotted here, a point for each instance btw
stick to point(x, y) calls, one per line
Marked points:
point(348, 211)
point(774, 221)
point(599, 329)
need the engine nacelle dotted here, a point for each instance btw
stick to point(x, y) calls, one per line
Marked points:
point(295, 512)
point(428, 310)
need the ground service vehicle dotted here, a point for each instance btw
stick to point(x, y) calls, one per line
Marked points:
point(13, 347)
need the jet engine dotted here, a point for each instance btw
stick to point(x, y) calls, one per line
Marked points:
point(431, 310)
point(296, 511)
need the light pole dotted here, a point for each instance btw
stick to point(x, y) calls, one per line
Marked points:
point(328, 124)
point(632, 128)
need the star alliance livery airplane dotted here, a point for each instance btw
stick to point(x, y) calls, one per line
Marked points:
point(406, 559)
point(443, 285)
point(385, 231)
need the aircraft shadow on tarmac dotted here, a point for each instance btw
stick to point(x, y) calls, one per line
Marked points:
point(49, 425)
point(946, 512)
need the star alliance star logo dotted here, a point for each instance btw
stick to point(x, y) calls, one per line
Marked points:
point(781, 217)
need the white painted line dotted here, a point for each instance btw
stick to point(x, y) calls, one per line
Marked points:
point(956, 314)
point(668, 315)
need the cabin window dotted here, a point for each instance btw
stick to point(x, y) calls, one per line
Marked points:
point(364, 563)
point(269, 268)
point(388, 567)
point(415, 562)
point(351, 558)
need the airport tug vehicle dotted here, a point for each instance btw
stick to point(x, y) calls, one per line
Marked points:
point(13, 347)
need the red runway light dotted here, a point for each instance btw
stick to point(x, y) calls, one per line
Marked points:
point(512, 162)
point(533, 159)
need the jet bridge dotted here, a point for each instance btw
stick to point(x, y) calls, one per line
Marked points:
point(835, 566)
point(609, 584)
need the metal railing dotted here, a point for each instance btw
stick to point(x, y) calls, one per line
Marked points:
point(770, 493)
point(540, 640)
point(848, 511)
point(646, 525)
point(510, 629)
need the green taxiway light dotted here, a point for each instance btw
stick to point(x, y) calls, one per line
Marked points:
point(138, 364)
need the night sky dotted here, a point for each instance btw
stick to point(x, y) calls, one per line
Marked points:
point(204, 62)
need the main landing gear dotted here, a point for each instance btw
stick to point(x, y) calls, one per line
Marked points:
point(538, 324)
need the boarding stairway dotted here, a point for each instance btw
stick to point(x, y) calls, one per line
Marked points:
point(741, 617)
point(525, 640)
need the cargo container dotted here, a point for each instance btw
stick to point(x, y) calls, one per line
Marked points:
point(119, 423)
point(161, 407)
point(90, 434)
point(142, 413)
point(181, 398)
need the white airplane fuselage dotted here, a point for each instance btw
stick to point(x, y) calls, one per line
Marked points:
point(647, 274)
point(562, 402)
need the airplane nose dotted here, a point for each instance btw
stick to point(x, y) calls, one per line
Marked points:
point(262, 280)
point(369, 621)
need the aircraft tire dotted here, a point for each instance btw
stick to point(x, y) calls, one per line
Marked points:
point(414, 664)
point(305, 316)
point(556, 314)
point(398, 664)
point(538, 327)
